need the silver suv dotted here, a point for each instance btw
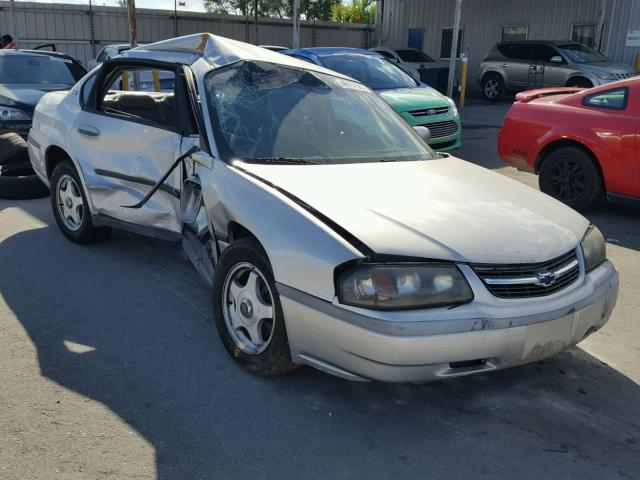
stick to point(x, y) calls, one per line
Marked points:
point(530, 64)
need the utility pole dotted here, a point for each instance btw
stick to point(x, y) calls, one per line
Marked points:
point(92, 30)
point(133, 29)
point(454, 47)
point(296, 24)
point(175, 18)
point(255, 21)
point(14, 30)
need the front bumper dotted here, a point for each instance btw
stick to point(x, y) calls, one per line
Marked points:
point(358, 347)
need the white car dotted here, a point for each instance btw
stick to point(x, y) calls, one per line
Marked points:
point(329, 232)
point(413, 61)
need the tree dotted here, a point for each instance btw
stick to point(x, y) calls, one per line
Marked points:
point(309, 9)
point(359, 11)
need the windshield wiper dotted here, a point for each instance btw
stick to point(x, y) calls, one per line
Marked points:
point(281, 161)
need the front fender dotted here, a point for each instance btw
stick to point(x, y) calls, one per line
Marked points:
point(302, 250)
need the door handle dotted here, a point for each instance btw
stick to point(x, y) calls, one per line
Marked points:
point(88, 131)
point(505, 64)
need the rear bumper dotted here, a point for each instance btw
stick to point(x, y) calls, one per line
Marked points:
point(358, 347)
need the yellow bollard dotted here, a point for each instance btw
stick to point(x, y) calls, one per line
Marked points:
point(156, 80)
point(638, 62)
point(125, 81)
point(463, 80)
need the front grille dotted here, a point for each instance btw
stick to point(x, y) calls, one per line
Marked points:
point(622, 76)
point(426, 112)
point(530, 279)
point(441, 129)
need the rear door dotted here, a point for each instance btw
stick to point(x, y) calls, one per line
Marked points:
point(516, 64)
point(127, 137)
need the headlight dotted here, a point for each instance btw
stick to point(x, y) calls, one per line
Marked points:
point(395, 287)
point(604, 75)
point(8, 114)
point(594, 248)
point(454, 109)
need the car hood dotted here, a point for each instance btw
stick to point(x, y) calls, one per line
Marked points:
point(404, 99)
point(445, 209)
point(608, 67)
point(26, 95)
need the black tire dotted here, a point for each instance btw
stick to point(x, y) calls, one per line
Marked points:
point(276, 358)
point(579, 82)
point(86, 231)
point(493, 87)
point(16, 169)
point(22, 187)
point(13, 148)
point(571, 175)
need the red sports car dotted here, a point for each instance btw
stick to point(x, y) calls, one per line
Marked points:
point(582, 143)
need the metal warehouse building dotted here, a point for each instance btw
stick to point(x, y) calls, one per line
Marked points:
point(428, 25)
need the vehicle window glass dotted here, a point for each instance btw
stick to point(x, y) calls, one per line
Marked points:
point(305, 59)
point(38, 69)
point(446, 40)
point(375, 72)
point(581, 53)
point(87, 87)
point(414, 56)
point(615, 99)
point(142, 94)
point(543, 53)
point(511, 33)
point(585, 34)
point(102, 56)
point(386, 54)
point(516, 51)
point(306, 116)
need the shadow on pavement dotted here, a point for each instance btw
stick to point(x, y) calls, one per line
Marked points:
point(159, 365)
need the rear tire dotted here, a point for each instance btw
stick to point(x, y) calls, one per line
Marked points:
point(13, 148)
point(247, 310)
point(70, 206)
point(579, 83)
point(570, 175)
point(493, 87)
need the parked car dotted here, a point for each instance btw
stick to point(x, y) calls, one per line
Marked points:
point(528, 64)
point(581, 142)
point(26, 75)
point(330, 234)
point(412, 60)
point(416, 103)
point(274, 48)
point(108, 52)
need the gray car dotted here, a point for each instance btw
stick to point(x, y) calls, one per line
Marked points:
point(523, 65)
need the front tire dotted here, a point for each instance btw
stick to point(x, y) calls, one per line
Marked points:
point(570, 175)
point(579, 83)
point(493, 87)
point(70, 206)
point(247, 310)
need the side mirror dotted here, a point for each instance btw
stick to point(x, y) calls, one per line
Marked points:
point(424, 133)
point(556, 59)
point(191, 199)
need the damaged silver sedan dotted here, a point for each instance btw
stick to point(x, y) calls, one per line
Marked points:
point(330, 234)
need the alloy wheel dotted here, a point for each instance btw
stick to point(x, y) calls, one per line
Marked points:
point(247, 307)
point(568, 180)
point(70, 202)
point(491, 88)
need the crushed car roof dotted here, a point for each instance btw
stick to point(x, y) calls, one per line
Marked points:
point(217, 51)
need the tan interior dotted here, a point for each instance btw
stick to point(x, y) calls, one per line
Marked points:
point(152, 106)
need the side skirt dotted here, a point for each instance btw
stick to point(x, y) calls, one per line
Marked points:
point(625, 200)
point(196, 251)
point(153, 232)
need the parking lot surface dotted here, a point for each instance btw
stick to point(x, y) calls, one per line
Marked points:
point(110, 367)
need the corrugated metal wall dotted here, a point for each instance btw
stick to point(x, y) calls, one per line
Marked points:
point(482, 21)
point(69, 27)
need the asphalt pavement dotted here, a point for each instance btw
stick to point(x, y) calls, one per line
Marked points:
point(110, 367)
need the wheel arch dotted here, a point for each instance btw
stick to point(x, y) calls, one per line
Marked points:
point(575, 77)
point(557, 144)
point(236, 231)
point(54, 155)
point(491, 73)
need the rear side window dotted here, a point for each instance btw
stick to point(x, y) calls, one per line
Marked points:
point(614, 99)
point(517, 51)
point(386, 54)
point(142, 94)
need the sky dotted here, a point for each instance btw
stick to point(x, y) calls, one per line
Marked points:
point(191, 5)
